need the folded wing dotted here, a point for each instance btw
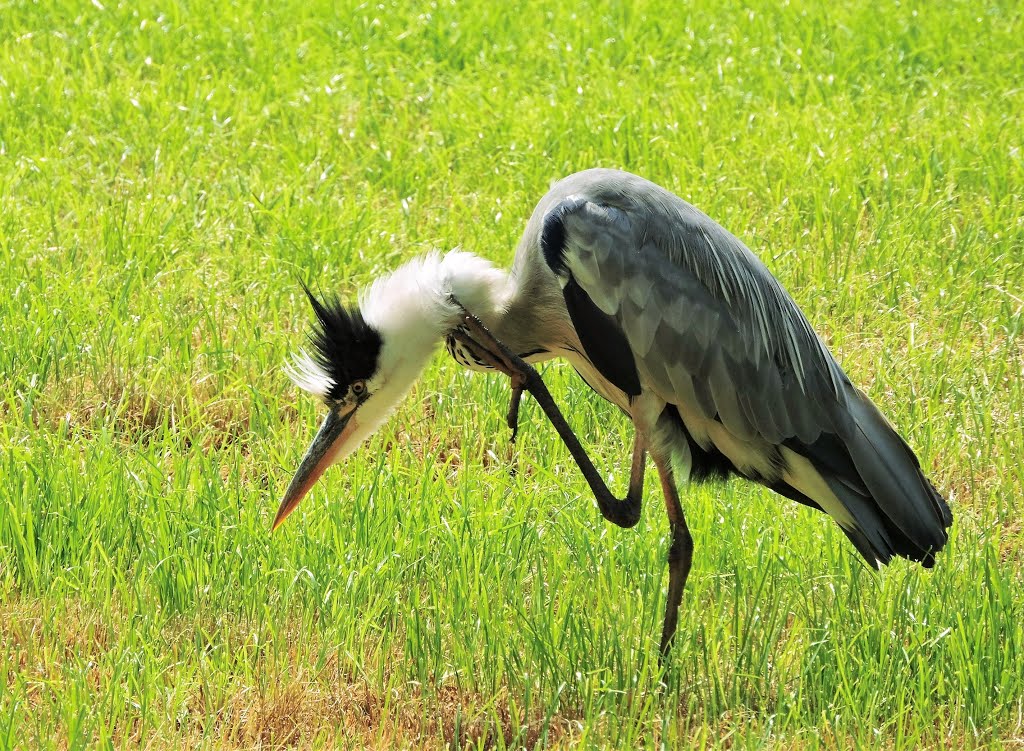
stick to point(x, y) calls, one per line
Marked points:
point(715, 335)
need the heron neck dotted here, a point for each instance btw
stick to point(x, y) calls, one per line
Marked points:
point(477, 285)
point(420, 302)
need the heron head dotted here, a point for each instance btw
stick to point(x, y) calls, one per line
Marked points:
point(362, 360)
point(342, 366)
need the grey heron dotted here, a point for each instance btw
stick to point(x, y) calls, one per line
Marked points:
point(663, 313)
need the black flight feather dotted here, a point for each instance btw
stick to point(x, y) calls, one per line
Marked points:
point(603, 341)
point(552, 236)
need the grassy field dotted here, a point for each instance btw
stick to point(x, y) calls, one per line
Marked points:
point(170, 172)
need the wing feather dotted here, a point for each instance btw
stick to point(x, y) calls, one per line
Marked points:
point(711, 331)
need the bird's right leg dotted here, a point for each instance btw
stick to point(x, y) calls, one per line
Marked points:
point(680, 552)
point(624, 513)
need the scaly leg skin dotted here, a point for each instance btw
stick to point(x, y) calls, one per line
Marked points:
point(513, 412)
point(513, 422)
point(624, 513)
point(680, 554)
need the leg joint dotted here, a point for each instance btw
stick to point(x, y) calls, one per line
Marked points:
point(681, 549)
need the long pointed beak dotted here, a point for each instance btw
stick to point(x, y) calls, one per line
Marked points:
point(319, 456)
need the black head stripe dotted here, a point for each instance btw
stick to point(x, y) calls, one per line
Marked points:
point(345, 346)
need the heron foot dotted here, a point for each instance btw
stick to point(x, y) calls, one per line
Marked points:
point(513, 411)
point(513, 422)
point(502, 359)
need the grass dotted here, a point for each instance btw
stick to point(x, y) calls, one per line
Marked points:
point(168, 174)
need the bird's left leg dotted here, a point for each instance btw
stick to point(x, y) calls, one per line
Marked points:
point(625, 512)
point(680, 551)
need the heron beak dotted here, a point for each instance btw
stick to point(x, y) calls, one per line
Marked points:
point(329, 441)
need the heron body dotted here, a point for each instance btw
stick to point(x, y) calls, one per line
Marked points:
point(666, 315)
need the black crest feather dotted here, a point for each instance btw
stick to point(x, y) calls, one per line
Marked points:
point(345, 346)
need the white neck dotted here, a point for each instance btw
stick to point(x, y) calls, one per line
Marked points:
point(415, 306)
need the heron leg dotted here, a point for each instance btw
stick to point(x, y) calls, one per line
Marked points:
point(512, 419)
point(513, 411)
point(680, 552)
point(624, 513)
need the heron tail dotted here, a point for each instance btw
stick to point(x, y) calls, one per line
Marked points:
point(895, 509)
point(913, 515)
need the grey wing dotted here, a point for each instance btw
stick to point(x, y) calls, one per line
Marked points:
point(706, 322)
point(712, 332)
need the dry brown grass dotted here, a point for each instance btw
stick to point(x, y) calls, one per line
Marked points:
point(296, 706)
point(291, 707)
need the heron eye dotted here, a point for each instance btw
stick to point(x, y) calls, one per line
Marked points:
point(358, 388)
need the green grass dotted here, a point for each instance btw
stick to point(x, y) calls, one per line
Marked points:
point(168, 175)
